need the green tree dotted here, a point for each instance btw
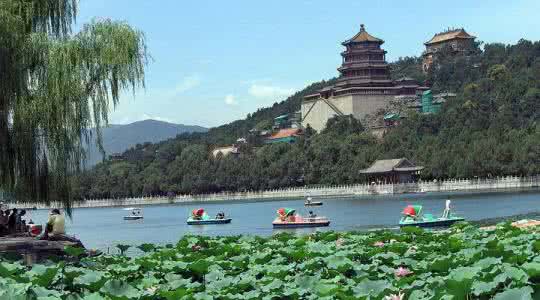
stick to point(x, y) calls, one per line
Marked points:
point(54, 86)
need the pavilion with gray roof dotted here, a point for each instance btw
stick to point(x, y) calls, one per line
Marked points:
point(392, 171)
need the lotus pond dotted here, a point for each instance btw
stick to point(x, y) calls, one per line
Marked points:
point(462, 263)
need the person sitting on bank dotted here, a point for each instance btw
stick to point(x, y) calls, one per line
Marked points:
point(55, 224)
point(12, 221)
point(3, 223)
point(55, 229)
point(20, 224)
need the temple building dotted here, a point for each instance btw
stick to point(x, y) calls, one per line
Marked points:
point(363, 87)
point(286, 135)
point(458, 40)
point(398, 170)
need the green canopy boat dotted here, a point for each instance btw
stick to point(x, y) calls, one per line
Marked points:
point(413, 216)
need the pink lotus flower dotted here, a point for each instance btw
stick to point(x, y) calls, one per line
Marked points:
point(399, 296)
point(402, 272)
point(340, 242)
point(378, 244)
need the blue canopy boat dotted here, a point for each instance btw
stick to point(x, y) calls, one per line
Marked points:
point(191, 221)
point(413, 216)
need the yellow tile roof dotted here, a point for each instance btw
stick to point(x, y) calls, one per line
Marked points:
point(363, 36)
point(449, 35)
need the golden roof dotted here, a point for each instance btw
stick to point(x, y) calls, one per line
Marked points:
point(449, 35)
point(363, 36)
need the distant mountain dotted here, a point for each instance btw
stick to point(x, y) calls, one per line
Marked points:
point(119, 138)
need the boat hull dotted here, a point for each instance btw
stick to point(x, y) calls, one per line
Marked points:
point(133, 217)
point(209, 222)
point(300, 224)
point(313, 204)
point(434, 223)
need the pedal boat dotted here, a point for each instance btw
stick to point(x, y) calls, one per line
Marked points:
point(191, 221)
point(301, 223)
point(418, 219)
point(136, 214)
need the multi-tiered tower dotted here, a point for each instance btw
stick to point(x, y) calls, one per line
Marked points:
point(364, 63)
point(363, 87)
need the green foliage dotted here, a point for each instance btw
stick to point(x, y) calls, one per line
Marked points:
point(54, 86)
point(123, 248)
point(74, 251)
point(298, 267)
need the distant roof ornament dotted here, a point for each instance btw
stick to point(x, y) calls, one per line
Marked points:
point(362, 28)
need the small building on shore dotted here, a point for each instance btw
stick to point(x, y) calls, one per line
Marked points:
point(398, 170)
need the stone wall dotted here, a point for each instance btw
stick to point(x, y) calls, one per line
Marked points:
point(357, 105)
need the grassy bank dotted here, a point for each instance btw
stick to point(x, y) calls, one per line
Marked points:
point(463, 263)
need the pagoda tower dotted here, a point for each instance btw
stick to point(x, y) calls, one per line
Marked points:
point(364, 62)
point(364, 86)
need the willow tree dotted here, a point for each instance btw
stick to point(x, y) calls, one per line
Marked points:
point(54, 86)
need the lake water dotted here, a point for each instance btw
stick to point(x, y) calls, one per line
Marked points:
point(104, 227)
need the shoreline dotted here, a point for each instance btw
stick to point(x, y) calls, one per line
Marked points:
point(360, 191)
point(158, 201)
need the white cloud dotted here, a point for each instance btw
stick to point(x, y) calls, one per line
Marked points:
point(230, 100)
point(269, 91)
point(187, 84)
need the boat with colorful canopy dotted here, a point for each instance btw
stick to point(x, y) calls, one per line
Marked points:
point(288, 218)
point(413, 215)
point(200, 217)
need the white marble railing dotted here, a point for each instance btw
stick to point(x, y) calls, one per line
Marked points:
point(509, 182)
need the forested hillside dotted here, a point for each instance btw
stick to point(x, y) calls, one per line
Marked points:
point(492, 128)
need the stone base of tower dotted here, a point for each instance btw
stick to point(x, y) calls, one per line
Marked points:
point(316, 112)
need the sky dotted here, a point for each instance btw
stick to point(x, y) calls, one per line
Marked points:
point(215, 61)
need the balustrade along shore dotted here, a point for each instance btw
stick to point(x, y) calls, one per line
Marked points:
point(492, 184)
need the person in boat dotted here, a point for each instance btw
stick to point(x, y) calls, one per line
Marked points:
point(446, 211)
point(312, 215)
point(220, 215)
point(55, 229)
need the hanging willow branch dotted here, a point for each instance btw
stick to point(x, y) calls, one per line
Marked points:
point(54, 86)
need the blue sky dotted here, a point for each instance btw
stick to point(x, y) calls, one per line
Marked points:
point(216, 61)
